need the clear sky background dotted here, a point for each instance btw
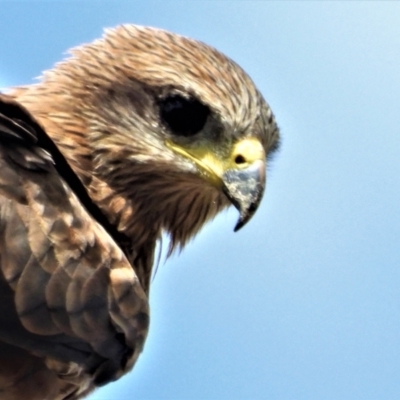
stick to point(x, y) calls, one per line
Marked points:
point(304, 303)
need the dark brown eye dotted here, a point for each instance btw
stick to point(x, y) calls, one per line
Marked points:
point(184, 117)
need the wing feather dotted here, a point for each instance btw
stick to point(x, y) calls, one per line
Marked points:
point(71, 301)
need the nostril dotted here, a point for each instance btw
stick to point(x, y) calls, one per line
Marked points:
point(239, 159)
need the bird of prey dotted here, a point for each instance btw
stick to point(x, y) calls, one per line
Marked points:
point(139, 133)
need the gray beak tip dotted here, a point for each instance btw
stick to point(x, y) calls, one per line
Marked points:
point(239, 225)
point(245, 188)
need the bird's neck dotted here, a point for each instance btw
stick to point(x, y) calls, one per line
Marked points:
point(70, 135)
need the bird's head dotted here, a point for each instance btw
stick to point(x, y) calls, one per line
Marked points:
point(174, 131)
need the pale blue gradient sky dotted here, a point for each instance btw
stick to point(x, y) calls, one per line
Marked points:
point(304, 303)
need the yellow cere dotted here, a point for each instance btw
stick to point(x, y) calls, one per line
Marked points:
point(250, 149)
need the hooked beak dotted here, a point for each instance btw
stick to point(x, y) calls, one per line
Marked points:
point(240, 174)
point(245, 188)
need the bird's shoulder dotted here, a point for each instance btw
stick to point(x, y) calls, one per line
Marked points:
point(71, 294)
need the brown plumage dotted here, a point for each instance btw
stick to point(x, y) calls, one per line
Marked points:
point(138, 133)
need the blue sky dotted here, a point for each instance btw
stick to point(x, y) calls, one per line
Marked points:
point(304, 302)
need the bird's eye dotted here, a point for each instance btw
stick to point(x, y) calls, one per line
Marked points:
point(184, 117)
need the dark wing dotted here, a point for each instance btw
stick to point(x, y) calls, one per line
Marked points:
point(72, 311)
